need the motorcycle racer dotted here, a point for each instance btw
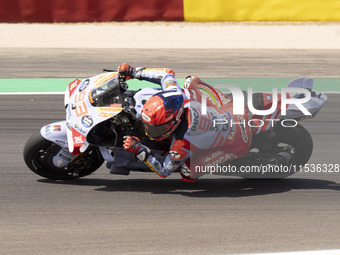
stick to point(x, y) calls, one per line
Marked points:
point(176, 114)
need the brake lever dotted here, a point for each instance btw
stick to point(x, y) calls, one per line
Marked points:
point(108, 70)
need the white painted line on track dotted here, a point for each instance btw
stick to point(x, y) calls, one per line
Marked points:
point(320, 252)
point(31, 93)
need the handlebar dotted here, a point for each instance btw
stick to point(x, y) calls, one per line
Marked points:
point(122, 84)
point(108, 70)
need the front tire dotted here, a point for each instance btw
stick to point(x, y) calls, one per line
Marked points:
point(39, 152)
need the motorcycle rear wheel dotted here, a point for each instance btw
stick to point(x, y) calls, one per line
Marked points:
point(39, 152)
point(294, 140)
point(299, 138)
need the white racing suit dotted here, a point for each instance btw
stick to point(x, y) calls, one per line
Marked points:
point(198, 140)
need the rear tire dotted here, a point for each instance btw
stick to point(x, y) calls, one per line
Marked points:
point(294, 141)
point(38, 154)
point(300, 139)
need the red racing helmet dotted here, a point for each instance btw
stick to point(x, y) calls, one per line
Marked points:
point(161, 114)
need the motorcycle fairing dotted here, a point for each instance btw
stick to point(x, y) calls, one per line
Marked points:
point(72, 133)
point(316, 102)
point(81, 115)
point(56, 133)
point(72, 86)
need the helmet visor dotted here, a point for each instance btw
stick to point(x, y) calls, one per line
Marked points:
point(156, 131)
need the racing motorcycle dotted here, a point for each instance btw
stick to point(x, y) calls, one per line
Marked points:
point(101, 110)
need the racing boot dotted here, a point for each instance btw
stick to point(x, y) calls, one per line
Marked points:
point(185, 173)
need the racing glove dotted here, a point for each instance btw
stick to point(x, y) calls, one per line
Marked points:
point(133, 145)
point(143, 153)
point(126, 72)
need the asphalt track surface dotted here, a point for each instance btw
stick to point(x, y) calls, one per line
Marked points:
point(143, 214)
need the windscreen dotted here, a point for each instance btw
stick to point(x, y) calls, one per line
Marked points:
point(107, 94)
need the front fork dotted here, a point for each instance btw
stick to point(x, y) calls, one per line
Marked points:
point(62, 158)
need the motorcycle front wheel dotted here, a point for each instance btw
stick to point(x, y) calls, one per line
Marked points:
point(39, 152)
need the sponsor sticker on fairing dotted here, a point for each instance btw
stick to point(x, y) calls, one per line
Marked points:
point(48, 130)
point(84, 85)
point(87, 121)
point(72, 86)
point(56, 127)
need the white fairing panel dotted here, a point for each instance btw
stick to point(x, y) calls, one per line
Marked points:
point(315, 103)
point(81, 115)
point(55, 132)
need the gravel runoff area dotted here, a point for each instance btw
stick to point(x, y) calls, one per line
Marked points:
point(173, 35)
